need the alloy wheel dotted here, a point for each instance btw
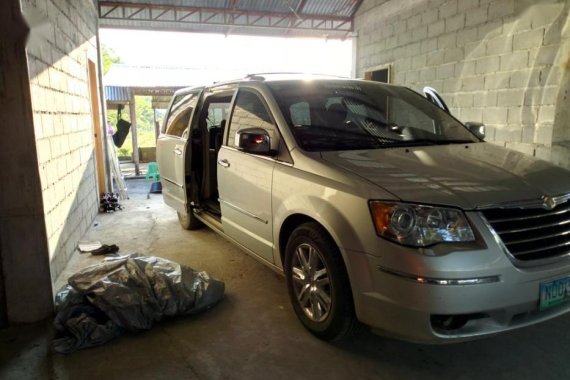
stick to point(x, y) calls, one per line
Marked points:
point(311, 282)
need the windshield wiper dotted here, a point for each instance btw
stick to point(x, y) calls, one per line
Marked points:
point(405, 143)
point(458, 141)
point(425, 142)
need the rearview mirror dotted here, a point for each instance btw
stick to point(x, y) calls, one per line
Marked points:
point(254, 140)
point(478, 129)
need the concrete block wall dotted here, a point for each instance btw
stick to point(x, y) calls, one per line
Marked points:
point(502, 62)
point(62, 41)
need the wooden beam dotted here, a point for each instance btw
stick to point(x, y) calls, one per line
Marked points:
point(98, 134)
point(133, 115)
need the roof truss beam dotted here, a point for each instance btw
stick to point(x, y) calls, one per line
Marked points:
point(223, 16)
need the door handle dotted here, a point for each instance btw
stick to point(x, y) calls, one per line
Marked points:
point(225, 163)
point(178, 151)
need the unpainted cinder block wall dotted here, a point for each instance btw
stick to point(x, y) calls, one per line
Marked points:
point(61, 44)
point(502, 62)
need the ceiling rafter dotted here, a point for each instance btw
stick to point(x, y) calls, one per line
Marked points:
point(112, 9)
point(230, 17)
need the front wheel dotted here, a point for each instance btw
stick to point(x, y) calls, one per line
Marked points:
point(318, 283)
point(188, 221)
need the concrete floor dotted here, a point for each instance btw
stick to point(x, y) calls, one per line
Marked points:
point(253, 333)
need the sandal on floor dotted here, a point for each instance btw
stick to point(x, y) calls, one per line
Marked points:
point(105, 250)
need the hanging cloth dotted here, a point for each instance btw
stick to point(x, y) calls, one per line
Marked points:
point(123, 127)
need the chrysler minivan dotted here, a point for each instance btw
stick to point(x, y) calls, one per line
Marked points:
point(379, 207)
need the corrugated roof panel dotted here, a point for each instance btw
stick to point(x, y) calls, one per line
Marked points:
point(114, 13)
point(116, 94)
point(278, 6)
point(181, 3)
point(312, 7)
point(343, 8)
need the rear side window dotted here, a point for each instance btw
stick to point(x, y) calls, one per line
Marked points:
point(180, 113)
point(249, 112)
point(214, 114)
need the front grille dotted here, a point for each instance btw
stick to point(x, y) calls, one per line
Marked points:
point(533, 233)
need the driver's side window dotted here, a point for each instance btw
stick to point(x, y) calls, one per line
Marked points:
point(249, 112)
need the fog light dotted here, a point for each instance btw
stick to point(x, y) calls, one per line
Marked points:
point(448, 322)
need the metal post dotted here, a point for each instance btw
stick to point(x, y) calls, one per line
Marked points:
point(156, 128)
point(133, 114)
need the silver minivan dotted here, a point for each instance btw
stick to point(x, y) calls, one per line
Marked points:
point(378, 206)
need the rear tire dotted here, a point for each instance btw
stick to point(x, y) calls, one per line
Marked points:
point(188, 221)
point(318, 283)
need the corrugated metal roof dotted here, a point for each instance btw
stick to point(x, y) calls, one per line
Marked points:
point(117, 94)
point(180, 3)
point(277, 6)
point(313, 7)
point(160, 97)
point(306, 18)
point(331, 8)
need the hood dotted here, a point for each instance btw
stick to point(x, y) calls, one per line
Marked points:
point(468, 176)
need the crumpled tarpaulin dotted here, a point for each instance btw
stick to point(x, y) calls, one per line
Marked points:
point(128, 293)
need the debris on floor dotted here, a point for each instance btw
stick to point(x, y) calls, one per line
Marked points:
point(109, 202)
point(106, 250)
point(96, 248)
point(88, 246)
point(128, 293)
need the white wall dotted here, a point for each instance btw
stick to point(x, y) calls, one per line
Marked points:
point(503, 62)
point(62, 40)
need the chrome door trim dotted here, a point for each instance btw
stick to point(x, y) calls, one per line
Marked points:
point(258, 218)
point(171, 181)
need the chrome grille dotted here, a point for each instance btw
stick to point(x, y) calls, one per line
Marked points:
point(533, 233)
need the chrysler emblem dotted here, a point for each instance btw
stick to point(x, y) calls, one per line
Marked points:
point(548, 202)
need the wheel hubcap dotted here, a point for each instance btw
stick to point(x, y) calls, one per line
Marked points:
point(311, 283)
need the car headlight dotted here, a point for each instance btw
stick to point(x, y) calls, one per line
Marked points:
point(420, 226)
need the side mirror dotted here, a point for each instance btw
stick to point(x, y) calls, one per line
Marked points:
point(478, 129)
point(433, 96)
point(254, 140)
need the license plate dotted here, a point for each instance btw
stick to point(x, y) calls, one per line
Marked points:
point(554, 293)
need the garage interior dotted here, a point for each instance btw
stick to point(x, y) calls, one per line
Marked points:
point(502, 62)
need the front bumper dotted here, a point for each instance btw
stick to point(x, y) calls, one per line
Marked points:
point(406, 295)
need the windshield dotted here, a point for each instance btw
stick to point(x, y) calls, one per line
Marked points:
point(351, 115)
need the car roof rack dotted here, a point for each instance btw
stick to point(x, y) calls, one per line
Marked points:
point(262, 76)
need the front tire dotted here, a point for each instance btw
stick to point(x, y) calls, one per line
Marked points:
point(318, 283)
point(188, 221)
